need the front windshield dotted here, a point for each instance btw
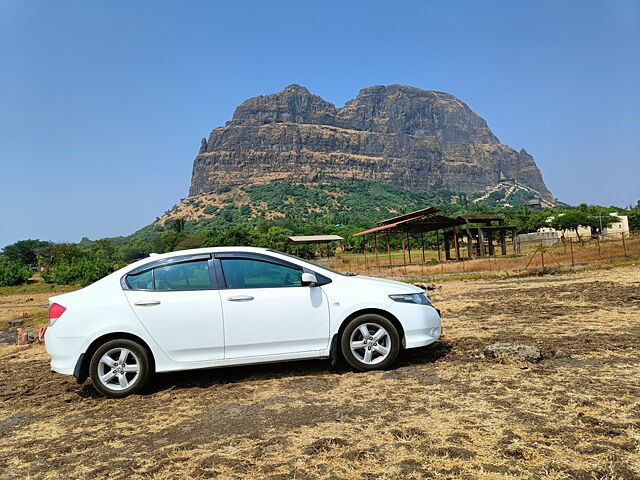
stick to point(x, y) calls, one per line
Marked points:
point(322, 267)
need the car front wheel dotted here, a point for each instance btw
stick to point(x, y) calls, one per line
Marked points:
point(370, 342)
point(119, 368)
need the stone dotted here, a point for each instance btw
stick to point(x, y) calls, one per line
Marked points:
point(513, 351)
point(562, 353)
point(399, 135)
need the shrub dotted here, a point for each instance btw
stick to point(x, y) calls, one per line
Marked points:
point(12, 273)
point(81, 271)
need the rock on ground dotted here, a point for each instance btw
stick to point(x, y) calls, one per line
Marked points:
point(513, 351)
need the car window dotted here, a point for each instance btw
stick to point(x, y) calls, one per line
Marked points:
point(183, 276)
point(242, 273)
point(141, 281)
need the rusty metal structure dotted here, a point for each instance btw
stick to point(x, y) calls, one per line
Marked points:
point(478, 233)
point(407, 226)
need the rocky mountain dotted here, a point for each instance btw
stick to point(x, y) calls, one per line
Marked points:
point(399, 135)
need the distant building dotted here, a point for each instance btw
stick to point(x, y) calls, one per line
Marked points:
point(622, 226)
point(619, 227)
point(534, 204)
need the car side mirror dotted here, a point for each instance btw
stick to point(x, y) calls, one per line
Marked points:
point(309, 280)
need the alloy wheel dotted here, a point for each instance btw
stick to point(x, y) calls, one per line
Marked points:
point(370, 343)
point(118, 369)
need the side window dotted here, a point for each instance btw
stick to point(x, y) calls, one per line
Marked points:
point(242, 273)
point(183, 276)
point(141, 281)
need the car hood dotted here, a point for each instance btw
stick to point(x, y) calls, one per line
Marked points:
point(391, 285)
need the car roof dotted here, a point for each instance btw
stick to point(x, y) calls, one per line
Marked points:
point(196, 251)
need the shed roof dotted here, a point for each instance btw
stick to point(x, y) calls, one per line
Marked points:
point(418, 213)
point(302, 239)
point(424, 220)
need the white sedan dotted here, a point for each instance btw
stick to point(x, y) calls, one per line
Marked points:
point(222, 306)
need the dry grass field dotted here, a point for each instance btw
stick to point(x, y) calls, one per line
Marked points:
point(446, 412)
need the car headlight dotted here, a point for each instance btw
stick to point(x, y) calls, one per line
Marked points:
point(417, 298)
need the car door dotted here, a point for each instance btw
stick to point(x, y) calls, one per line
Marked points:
point(178, 303)
point(266, 309)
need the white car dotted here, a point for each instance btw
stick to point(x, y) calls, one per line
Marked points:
point(215, 307)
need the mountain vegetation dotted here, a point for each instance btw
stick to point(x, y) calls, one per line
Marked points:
point(264, 216)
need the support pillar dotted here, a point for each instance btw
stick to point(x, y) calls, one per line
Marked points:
point(469, 243)
point(447, 246)
point(375, 246)
point(503, 242)
point(456, 244)
point(481, 241)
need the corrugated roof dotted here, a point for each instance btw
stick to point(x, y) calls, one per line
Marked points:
point(422, 223)
point(418, 213)
point(312, 239)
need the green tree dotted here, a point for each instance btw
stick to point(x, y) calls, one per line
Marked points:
point(24, 252)
point(13, 273)
point(572, 220)
point(82, 271)
point(136, 249)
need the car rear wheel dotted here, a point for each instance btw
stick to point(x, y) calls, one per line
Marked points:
point(370, 342)
point(119, 368)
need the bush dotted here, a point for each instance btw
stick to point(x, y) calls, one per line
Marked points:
point(12, 273)
point(80, 272)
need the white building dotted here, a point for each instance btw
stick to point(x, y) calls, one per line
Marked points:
point(621, 226)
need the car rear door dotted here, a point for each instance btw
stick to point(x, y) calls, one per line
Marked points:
point(178, 303)
point(266, 309)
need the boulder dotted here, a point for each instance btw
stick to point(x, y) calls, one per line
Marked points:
point(513, 351)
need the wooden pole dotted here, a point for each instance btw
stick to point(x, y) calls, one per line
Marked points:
point(375, 246)
point(455, 243)
point(624, 245)
point(388, 247)
point(422, 241)
point(438, 244)
point(481, 241)
point(571, 248)
point(598, 243)
point(409, 246)
point(503, 242)
point(447, 246)
point(404, 257)
point(364, 250)
point(542, 253)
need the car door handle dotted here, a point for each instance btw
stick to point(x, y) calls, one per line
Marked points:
point(147, 303)
point(240, 298)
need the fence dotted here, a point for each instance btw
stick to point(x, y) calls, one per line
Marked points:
point(533, 255)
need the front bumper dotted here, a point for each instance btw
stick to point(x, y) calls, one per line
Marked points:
point(64, 351)
point(421, 323)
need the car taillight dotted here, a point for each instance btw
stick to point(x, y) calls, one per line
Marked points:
point(55, 310)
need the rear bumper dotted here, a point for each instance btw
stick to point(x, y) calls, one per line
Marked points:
point(64, 351)
point(422, 324)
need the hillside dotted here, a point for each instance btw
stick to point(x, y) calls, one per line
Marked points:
point(301, 206)
point(397, 135)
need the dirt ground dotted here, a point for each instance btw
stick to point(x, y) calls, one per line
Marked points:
point(445, 412)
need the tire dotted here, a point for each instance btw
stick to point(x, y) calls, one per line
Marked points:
point(113, 379)
point(374, 353)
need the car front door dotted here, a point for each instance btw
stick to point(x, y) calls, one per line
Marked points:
point(266, 309)
point(178, 303)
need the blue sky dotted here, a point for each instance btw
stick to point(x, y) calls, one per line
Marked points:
point(103, 104)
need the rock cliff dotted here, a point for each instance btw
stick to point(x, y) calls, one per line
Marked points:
point(412, 138)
